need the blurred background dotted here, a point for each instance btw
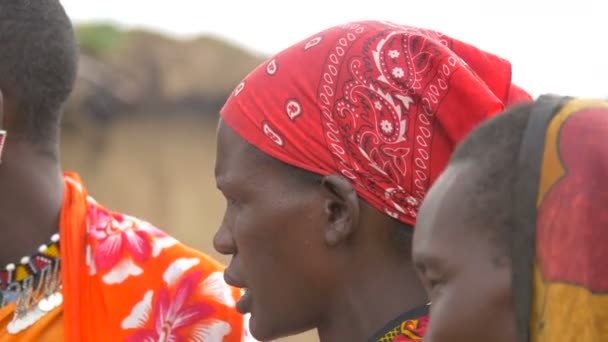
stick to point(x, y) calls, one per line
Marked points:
point(140, 126)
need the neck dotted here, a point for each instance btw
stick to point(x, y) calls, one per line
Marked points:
point(378, 294)
point(31, 195)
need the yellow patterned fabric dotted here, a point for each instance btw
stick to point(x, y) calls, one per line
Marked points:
point(569, 295)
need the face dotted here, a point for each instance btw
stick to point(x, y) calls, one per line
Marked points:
point(469, 285)
point(272, 227)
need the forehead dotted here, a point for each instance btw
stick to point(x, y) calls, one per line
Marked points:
point(239, 162)
point(442, 223)
point(234, 155)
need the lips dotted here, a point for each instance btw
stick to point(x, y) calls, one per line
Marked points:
point(243, 306)
point(232, 281)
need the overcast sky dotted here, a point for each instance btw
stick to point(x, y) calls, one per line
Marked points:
point(557, 46)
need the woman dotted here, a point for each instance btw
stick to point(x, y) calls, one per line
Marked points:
point(70, 269)
point(522, 206)
point(325, 152)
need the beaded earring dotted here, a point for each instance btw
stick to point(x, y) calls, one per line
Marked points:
point(2, 130)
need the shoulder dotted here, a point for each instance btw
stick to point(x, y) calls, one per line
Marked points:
point(142, 269)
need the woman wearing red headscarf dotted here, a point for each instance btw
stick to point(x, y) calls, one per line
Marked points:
point(325, 153)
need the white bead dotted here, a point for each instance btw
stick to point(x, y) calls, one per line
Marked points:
point(45, 305)
point(55, 238)
point(25, 260)
point(10, 267)
point(42, 248)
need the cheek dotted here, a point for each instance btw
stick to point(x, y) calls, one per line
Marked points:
point(279, 252)
point(283, 222)
point(262, 222)
point(473, 307)
point(257, 232)
point(274, 240)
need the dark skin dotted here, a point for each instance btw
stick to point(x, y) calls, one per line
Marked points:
point(469, 282)
point(32, 190)
point(310, 255)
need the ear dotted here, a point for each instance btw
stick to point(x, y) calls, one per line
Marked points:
point(341, 207)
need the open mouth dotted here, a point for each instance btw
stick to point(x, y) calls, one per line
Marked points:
point(243, 306)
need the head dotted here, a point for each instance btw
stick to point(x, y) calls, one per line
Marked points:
point(461, 242)
point(367, 113)
point(38, 63)
point(297, 238)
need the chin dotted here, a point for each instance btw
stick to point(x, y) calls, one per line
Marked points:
point(262, 332)
point(269, 330)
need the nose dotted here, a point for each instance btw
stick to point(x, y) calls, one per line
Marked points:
point(223, 241)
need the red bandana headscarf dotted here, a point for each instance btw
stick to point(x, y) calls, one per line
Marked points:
point(382, 104)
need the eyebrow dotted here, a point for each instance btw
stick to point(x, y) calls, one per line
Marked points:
point(220, 182)
point(229, 182)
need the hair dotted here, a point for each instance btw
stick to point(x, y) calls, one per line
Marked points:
point(38, 65)
point(493, 148)
point(402, 235)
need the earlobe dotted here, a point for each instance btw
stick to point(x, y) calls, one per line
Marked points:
point(2, 130)
point(1, 110)
point(341, 208)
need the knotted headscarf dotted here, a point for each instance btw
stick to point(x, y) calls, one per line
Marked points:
point(381, 104)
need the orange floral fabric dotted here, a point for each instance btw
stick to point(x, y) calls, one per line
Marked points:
point(126, 280)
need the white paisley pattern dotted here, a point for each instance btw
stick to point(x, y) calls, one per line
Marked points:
point(396, 100)
point(368, 100)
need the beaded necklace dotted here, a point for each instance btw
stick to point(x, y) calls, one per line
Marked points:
point(33, 285)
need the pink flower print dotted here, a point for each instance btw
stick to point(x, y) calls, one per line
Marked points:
point(171, 315)
point(120, 241)
point(115, 235)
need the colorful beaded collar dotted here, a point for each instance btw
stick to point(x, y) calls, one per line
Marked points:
point(33, 285)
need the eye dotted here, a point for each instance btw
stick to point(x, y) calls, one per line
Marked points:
point(230, 201)
point(434, 287)
point(433, 283)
